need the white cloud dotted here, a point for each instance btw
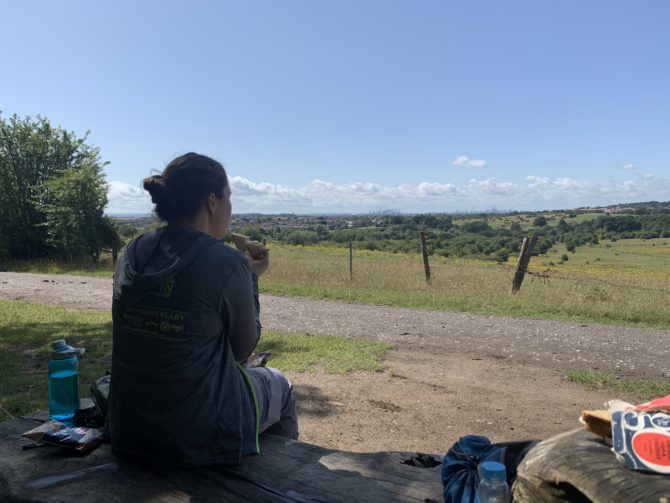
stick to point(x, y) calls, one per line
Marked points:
point(465, 162)
point(628, 166)
point(319, 196)
point(126, 198)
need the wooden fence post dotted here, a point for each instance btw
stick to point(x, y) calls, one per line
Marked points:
point(522, 264)
point(351, 261)
point(424, 252)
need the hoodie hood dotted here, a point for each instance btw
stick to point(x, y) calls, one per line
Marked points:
point(150, 260)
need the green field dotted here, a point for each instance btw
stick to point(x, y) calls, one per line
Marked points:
point(624, 282)
point(628, 257)
point(525, 220)
point(26, 330)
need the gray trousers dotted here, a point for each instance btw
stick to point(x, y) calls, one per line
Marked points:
point(276, 403)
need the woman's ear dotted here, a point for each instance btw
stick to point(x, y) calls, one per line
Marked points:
point(211, 203)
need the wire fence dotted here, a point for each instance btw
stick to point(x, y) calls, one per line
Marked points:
point(553, 274)
point(364, 259)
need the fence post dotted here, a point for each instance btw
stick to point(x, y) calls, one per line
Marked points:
point(522, 264)
point(351, 261)
point(424, 252)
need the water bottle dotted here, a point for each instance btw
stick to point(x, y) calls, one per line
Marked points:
point(493, 486)
point(63, 381)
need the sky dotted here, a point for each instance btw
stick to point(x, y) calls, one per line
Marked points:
point(351, 106)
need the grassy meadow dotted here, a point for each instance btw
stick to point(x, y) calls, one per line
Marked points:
point(26, 331)
point(525, 220)
point(624, 282)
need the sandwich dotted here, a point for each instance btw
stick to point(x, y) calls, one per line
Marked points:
point(255, 248)
point(598, 422)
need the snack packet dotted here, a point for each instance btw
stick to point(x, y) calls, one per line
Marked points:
point(641, 435)
point(659, 404)
point(81, 439)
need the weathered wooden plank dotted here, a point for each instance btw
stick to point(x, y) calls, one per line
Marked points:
point(579, 466)
point(285, 471)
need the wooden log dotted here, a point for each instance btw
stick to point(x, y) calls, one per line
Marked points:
point(522, 263)
point(285, 471)
point(424, 253)
point(578, 466)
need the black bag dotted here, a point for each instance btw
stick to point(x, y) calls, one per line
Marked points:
point(460, 477)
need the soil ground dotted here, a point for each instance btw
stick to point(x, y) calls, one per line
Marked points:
point(448, 374)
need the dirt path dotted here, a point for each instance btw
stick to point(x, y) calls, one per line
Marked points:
point(449, 374)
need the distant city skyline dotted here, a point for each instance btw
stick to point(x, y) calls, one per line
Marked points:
point(351, 107)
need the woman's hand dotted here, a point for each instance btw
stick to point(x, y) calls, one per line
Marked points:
point(260, 264)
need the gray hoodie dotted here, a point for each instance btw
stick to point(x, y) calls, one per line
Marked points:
point(185, 312)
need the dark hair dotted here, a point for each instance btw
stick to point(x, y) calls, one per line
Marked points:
point(179, 191)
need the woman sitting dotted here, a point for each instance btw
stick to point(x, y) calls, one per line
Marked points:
point(186, 318)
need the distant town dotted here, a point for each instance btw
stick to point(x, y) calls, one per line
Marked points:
point(333, 221)
point(488, 236)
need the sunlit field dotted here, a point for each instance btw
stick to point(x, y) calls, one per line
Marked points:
point(645, 262)
point(525, 220)
point(626, 282)
point(622, 282)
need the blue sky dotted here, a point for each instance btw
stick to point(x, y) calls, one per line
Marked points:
point(352, 106)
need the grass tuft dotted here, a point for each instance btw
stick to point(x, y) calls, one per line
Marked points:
point(641, 389)
point(332, 354)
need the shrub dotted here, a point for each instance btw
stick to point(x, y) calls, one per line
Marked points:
point(301, 238)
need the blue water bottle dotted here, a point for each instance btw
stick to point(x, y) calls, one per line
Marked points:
point(63, 381)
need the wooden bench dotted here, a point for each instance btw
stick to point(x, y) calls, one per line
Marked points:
point(285, 471)
point(575, 466)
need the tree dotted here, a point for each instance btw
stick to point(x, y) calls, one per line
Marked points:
point(540, 221)
point(563, 226)
point(127, 232)
point(73, 205)
point(302, 238)
point(476, 227)
point(54, 193)
point(252, 232)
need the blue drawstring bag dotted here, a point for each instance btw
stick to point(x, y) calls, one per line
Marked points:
point(460, 477)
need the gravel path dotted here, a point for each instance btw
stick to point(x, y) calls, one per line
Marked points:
point(625, 351)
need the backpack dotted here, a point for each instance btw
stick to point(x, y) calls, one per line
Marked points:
point(460, 476)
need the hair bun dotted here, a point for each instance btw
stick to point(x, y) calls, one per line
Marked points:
point(155, 185)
